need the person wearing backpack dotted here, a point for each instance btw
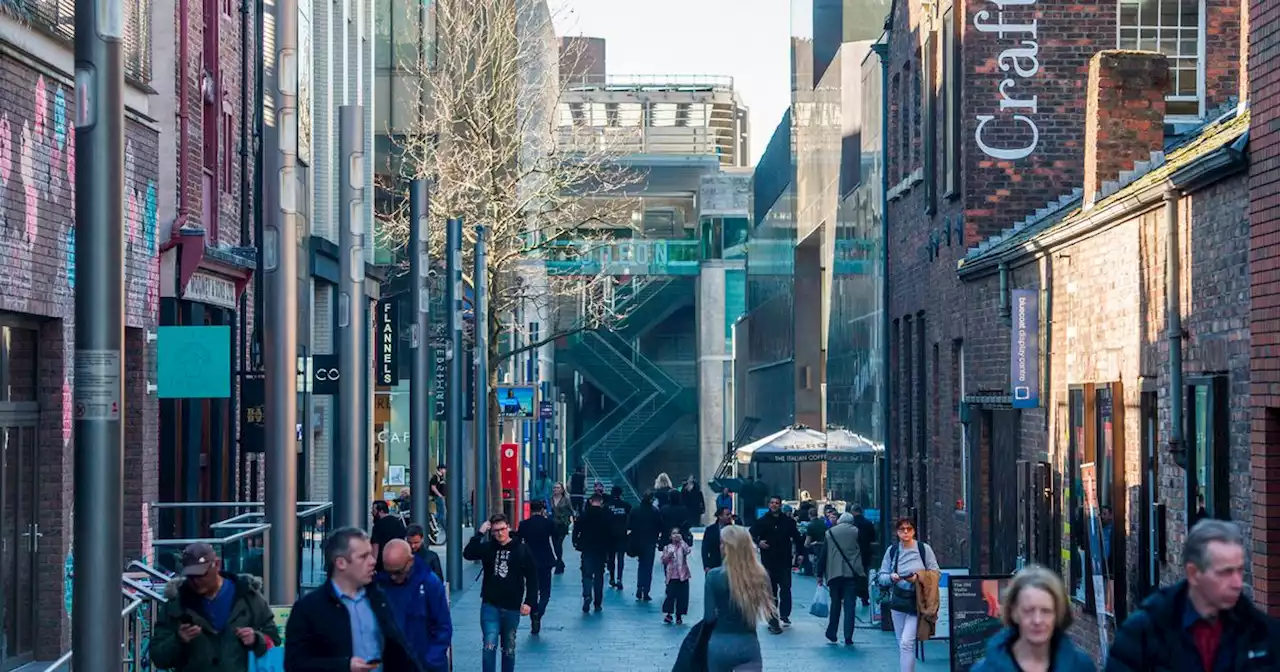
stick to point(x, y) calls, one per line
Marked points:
point(896, 578)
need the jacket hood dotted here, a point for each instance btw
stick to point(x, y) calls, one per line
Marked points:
point(243, 583)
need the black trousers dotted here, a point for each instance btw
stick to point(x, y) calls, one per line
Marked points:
point(617, 557)
point(677, 600)
point(593, 577)
point(780, 584)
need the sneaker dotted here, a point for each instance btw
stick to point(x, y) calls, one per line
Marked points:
point(831, 637)
point(847, 642)
point(598, 608)
point(535, 624)
point(647, 598)
point(774, 628)
point(586, 606)
point(679, 620)
point(786, 622)
point(667, 619)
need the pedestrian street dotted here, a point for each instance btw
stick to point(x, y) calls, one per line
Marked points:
point(629, 636)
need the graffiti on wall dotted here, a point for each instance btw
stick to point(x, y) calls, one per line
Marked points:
point(37, 199)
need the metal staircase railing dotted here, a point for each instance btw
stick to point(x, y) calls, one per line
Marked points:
point(603, 369)
point(624, 351)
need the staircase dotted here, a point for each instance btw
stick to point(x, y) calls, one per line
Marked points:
point(650, 301)
point(649, 402)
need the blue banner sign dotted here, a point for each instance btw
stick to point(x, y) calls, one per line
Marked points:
point(1024, 349)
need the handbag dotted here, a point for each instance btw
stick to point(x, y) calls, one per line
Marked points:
point(692, 656)
point(902, 600)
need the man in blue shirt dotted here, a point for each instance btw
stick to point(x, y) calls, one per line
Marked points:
point(346, 623)
point(419, 603)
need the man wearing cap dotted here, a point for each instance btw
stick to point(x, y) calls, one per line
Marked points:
point(212, 619)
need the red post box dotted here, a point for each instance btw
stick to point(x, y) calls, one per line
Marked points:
point(510, 464)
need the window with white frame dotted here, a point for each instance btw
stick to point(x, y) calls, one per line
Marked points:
point(1173, 28)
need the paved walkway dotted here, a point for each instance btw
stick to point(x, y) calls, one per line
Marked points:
point(629, 636)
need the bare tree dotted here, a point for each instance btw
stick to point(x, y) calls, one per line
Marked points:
point(487, 134)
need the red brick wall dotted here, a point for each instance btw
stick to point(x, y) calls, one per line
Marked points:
point(994, 194)
point(37, 272)
point(1264, 255)
point(229, 90)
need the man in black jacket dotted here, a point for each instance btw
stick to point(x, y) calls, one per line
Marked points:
point(619, 511)
point(319, 633)
point(645, 530)
point(416, 536)
point(593, 536)
point(776, 535)
point(866, 537)
point(1203, 623)
point(537, 532)
point(509, 588)
point(711, 554)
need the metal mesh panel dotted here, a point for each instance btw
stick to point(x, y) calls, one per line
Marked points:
point(57, 17)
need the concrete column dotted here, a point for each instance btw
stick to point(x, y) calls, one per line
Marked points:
point(713, 352)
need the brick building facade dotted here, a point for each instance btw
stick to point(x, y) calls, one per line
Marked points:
point(989, 148)
point(207, 254)
point(1096, 276)
point(37, 306)
point(1264, 257)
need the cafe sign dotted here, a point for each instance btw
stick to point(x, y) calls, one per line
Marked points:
point(210, 289)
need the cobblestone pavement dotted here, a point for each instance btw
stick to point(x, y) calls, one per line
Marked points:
point(629, 636)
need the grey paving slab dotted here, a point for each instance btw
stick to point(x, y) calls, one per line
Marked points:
point(629, 636)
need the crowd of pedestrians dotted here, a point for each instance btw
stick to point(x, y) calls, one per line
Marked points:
point(384, 604)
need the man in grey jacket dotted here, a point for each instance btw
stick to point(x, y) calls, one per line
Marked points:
point(842, 571)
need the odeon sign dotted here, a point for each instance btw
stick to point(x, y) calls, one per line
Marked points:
point(1022, 60)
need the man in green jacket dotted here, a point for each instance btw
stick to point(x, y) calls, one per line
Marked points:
point(212, 619)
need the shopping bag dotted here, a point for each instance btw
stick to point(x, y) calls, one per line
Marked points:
point(821, 606)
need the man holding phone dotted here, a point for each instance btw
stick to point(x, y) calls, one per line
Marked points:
point(212, 619)
point(346, 623)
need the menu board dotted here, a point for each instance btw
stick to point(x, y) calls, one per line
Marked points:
point(974, 610)
point(942, 629)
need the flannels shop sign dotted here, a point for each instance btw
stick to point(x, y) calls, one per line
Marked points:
point(1019, 62)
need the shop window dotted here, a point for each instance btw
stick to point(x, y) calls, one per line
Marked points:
point(1207, 414)
point(712, 238)
point(1096, 443)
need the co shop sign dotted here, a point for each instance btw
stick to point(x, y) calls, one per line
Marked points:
point(325, 374)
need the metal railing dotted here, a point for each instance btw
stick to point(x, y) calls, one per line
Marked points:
point(57, 18)
point(650, 82)
point(138, 616)
point(240, 538)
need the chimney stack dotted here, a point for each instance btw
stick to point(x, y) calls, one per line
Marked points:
point(1124, 122)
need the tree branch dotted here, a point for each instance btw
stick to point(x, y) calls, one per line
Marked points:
point(502, 357)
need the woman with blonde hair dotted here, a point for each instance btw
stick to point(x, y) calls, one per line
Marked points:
point(737, 596)
point(562, 515)
point(1036, 615)
point(661, 490)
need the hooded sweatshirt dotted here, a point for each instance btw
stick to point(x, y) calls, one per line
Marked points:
point(510, 574)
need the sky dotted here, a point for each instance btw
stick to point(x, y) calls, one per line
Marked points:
point(748, 40)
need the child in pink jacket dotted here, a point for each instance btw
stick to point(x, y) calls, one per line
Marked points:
point(675, 557)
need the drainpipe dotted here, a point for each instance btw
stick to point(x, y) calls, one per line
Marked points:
point(882, 51)
point(239, 366)
point(1173, 314)
point(184, 119)
point(259, 53)
point(1006, 311)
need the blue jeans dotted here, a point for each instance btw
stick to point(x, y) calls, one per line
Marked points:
point(499, 628)
point(442, 512)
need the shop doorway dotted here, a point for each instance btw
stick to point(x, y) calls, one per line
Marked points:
point(19, 535)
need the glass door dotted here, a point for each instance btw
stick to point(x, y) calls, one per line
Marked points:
point(19, 541)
